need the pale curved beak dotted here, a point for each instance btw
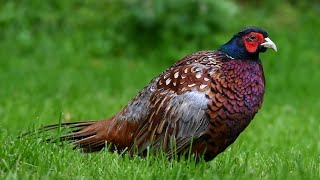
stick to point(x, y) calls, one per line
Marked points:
point(269, 44)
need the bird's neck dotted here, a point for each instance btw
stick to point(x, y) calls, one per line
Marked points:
point(236, 49)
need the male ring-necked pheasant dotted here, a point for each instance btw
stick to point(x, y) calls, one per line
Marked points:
point(200, 104)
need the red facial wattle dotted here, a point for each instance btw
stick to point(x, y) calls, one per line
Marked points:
point(252, 41)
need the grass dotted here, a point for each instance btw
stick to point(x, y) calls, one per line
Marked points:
point(49, 74)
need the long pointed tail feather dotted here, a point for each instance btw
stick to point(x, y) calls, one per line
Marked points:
point(90, 136)
point(82, 134)
point(70, 125)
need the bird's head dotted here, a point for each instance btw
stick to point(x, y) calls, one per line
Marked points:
point(248, 43)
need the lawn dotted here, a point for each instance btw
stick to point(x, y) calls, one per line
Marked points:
point(47, 74)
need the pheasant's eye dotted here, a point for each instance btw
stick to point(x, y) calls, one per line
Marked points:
point(253, 37)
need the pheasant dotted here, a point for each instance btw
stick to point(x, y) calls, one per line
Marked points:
point(200, 104)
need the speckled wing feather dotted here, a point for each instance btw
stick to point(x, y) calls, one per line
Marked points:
point(178, 104)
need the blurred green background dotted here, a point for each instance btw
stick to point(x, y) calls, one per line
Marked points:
point(87, 59)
